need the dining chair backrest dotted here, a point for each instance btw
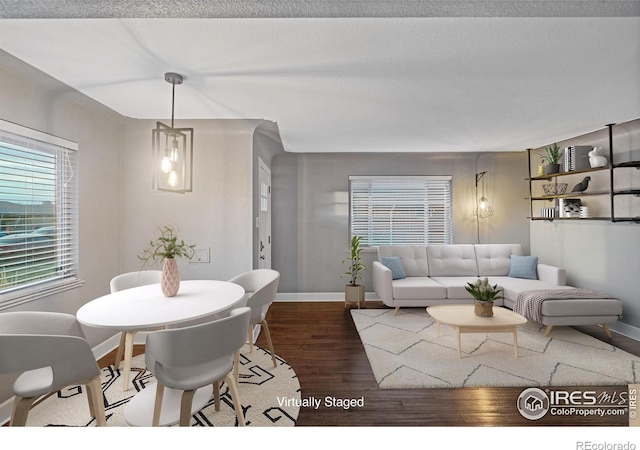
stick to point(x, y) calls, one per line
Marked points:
point(261, 287)
point(49, 347)
point(181, 358)
point(135, 279)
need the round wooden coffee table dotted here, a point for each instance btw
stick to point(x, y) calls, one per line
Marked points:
point(462, 319)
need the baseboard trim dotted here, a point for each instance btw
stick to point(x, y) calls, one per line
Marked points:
point(626, 330)
point(318, 296)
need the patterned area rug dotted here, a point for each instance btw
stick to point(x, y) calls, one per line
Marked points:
point(405, 352)
point(262, 390)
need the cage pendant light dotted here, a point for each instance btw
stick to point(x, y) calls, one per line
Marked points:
point(172, 150)
point(483, 208)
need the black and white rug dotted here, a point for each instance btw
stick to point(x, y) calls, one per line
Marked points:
point(405, 353)
point(269, 397)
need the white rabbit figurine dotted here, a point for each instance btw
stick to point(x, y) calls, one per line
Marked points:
point(596, 160)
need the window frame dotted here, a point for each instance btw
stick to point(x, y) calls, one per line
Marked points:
point(66, 240)
point(447, 220)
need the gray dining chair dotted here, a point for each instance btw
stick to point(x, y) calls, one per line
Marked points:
point(51, 351)
point(193, 357)
point(261, 287)
point(125, 348)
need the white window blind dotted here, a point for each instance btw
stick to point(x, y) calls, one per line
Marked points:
point(38, 214)
point(401, 210)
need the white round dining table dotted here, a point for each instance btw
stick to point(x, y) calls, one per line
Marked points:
point(145, 307)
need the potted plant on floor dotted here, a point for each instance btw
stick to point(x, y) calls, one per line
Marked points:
point(484, 295)
point(551, 157)
point(167, 248)
point(354, 292)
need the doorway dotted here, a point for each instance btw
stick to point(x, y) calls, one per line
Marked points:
point(264, 216)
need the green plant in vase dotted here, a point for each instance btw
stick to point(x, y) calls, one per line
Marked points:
point(354, 292)
point(484, 295)
point(551, 158)
point(166, 248)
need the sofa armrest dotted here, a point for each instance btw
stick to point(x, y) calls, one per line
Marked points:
point(382, 282)
point(552, 275)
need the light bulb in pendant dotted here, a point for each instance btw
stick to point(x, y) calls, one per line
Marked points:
point(165, 164)
point(173, 178)
point(174, 151)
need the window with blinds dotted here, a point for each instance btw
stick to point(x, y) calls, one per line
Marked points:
point(38, 214)
point(401, 210)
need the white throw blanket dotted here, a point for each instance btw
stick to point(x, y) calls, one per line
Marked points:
point(529, 303)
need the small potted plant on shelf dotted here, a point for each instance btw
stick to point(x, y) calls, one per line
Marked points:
point(167, 248)
point(354, 292)
point(551, 158)
point(484, 295)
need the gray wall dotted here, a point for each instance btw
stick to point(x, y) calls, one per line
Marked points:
point(311, 207)
point(33, 99)
point(118, 211)
point(216, 216)
point(598, 255)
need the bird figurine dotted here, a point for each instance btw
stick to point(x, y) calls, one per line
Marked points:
point(582, 186)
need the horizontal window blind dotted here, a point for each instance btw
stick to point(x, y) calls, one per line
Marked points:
point(38, 212)
point(401, 210)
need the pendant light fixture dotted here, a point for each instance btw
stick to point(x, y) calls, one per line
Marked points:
point(172, 150)
point(483, 208)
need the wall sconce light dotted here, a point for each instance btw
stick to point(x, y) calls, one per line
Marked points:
point(483, 208)
point(172, 151)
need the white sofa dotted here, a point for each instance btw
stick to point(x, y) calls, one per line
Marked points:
point(437, 274)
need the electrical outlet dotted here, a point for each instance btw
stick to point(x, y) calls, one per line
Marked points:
point(203, 255)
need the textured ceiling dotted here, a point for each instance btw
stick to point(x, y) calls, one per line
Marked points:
point(314, 8)
point(350, 76)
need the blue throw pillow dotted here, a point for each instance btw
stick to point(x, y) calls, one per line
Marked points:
point(395, 264)
point(524, 267)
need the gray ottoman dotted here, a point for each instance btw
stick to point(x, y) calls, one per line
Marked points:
point(581, 312)
point(568, 307)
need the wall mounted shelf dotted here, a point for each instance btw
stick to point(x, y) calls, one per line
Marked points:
point(611, 191)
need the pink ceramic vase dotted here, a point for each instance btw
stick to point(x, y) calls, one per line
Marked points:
point(170, 277)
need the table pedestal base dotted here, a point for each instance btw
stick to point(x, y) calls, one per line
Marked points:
point(139, 411)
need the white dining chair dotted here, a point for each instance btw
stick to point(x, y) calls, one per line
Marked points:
point(261, 287)
point(125, 348)
point(193, 357)
point(51, 351)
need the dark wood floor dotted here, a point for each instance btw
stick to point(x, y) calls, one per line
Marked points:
point(320, 342)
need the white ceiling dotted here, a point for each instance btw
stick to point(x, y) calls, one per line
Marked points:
point(353, 84)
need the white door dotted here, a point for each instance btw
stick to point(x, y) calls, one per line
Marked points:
point(264, 217)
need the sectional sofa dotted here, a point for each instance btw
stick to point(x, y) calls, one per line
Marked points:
point(420, 276)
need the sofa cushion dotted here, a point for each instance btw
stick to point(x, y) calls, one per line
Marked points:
point(414, 258)
point(456, 286)
point(418, 288)
point(524, 267)
point(494, 259)
point(395, 264)
point(452, 260)
point(586, 307)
